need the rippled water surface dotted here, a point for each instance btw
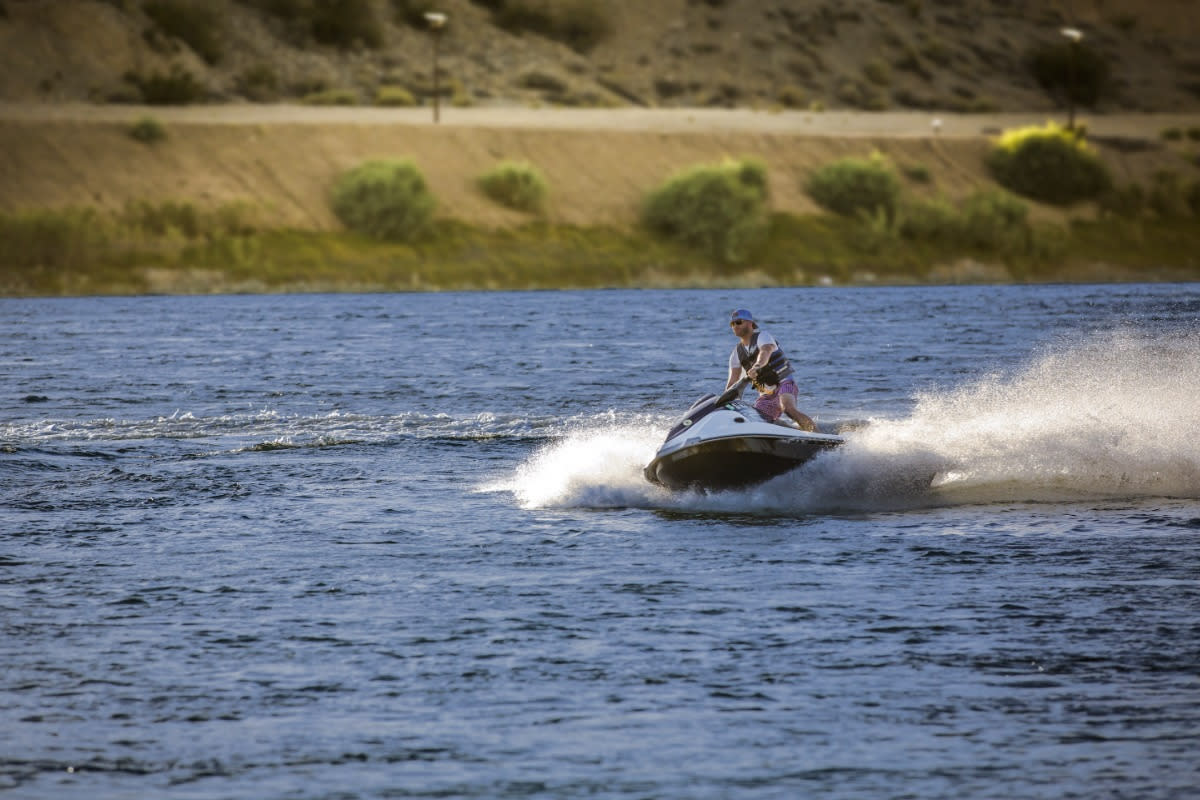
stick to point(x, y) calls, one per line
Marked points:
point(400, 546)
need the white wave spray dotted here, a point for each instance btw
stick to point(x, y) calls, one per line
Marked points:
point(1110, 416)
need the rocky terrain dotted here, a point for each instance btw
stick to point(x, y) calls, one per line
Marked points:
point(953, 55)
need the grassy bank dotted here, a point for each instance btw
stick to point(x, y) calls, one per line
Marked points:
point(178, 249)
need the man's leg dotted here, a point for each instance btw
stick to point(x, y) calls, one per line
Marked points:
point(788, 401)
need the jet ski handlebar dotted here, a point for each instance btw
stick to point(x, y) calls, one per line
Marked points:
point(733, 392)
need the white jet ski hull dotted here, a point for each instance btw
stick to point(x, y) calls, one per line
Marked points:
point(731, 445)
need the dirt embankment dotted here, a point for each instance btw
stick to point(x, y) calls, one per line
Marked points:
point(283, 160)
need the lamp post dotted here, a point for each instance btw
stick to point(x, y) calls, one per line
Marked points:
point(1073, 35)
point(437, 22)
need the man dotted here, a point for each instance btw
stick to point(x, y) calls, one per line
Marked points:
point(759, 357)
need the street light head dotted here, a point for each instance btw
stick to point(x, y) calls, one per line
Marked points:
point(1074, 34)
point(436, 19)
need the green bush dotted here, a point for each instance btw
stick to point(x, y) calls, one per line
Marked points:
point(918, 173)
point(580, 24)
point(395, 97)
point(1050, 164)
point(933, 220)
point(345, 23)
point(856, 186)
point(987, 220)
point(514, 184)
point(719, 209)
point(148, 130)
point(331, 97)
point(177, 87)
point(1069, 70)
point(196, 24)
point(791, 97)
point(259, 83)
point(386, 199)
point(995, 220)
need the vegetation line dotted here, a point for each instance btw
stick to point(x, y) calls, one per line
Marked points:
point(177, 248)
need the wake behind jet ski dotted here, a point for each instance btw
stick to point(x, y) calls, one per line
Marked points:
point(725, 443)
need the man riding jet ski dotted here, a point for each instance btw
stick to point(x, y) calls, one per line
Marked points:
point(724, 443)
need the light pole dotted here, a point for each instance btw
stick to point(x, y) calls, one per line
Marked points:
point(437, 22)
point(1074, 35)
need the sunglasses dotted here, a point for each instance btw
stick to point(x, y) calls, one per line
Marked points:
point(736, 322)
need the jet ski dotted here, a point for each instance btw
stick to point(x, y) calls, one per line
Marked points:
point(725, 443)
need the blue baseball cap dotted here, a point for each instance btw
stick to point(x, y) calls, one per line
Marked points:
point(741, 313)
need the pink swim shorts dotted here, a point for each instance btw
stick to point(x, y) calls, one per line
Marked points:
point(770, 405)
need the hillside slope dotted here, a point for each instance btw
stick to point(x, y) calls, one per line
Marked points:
point(282, 160)
point(957, 55)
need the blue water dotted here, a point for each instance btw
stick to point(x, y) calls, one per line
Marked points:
point(399, 545)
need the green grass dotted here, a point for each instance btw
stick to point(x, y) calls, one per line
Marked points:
point(177, 247)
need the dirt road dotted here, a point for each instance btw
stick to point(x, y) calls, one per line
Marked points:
point(811, 123)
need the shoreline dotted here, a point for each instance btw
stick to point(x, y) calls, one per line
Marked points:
point(276, 165)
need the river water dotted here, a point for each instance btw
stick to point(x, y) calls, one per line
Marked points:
point(385, 546)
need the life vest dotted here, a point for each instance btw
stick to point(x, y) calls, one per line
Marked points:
point(777, 368)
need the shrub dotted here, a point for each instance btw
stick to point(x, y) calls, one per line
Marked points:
point(178, 87)
point(1172, 134)
point(148, 130)
point(855, 186)
point(877, 72)
point(259, 83)
point(933, 220)
point(1168, 196)
point(185, 219)
point(580, 24)
point(345, 23)
point(995, 220)
point(791, 97)
point(719, 209)
point(394, 96)
point(1127, 202)
point(1069, 70)
point(1050, 164)
point(386, 199)
point(196, 24)
point(331, 97)
point(918, 173)
point(515, 184)
point(988, 220)
point(160, 219)
point(50, 239)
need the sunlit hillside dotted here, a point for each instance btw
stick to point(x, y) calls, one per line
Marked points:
point(955, 55)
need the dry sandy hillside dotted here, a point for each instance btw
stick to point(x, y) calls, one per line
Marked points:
point(598, 164)
point(57, 150)
point(957, 55)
